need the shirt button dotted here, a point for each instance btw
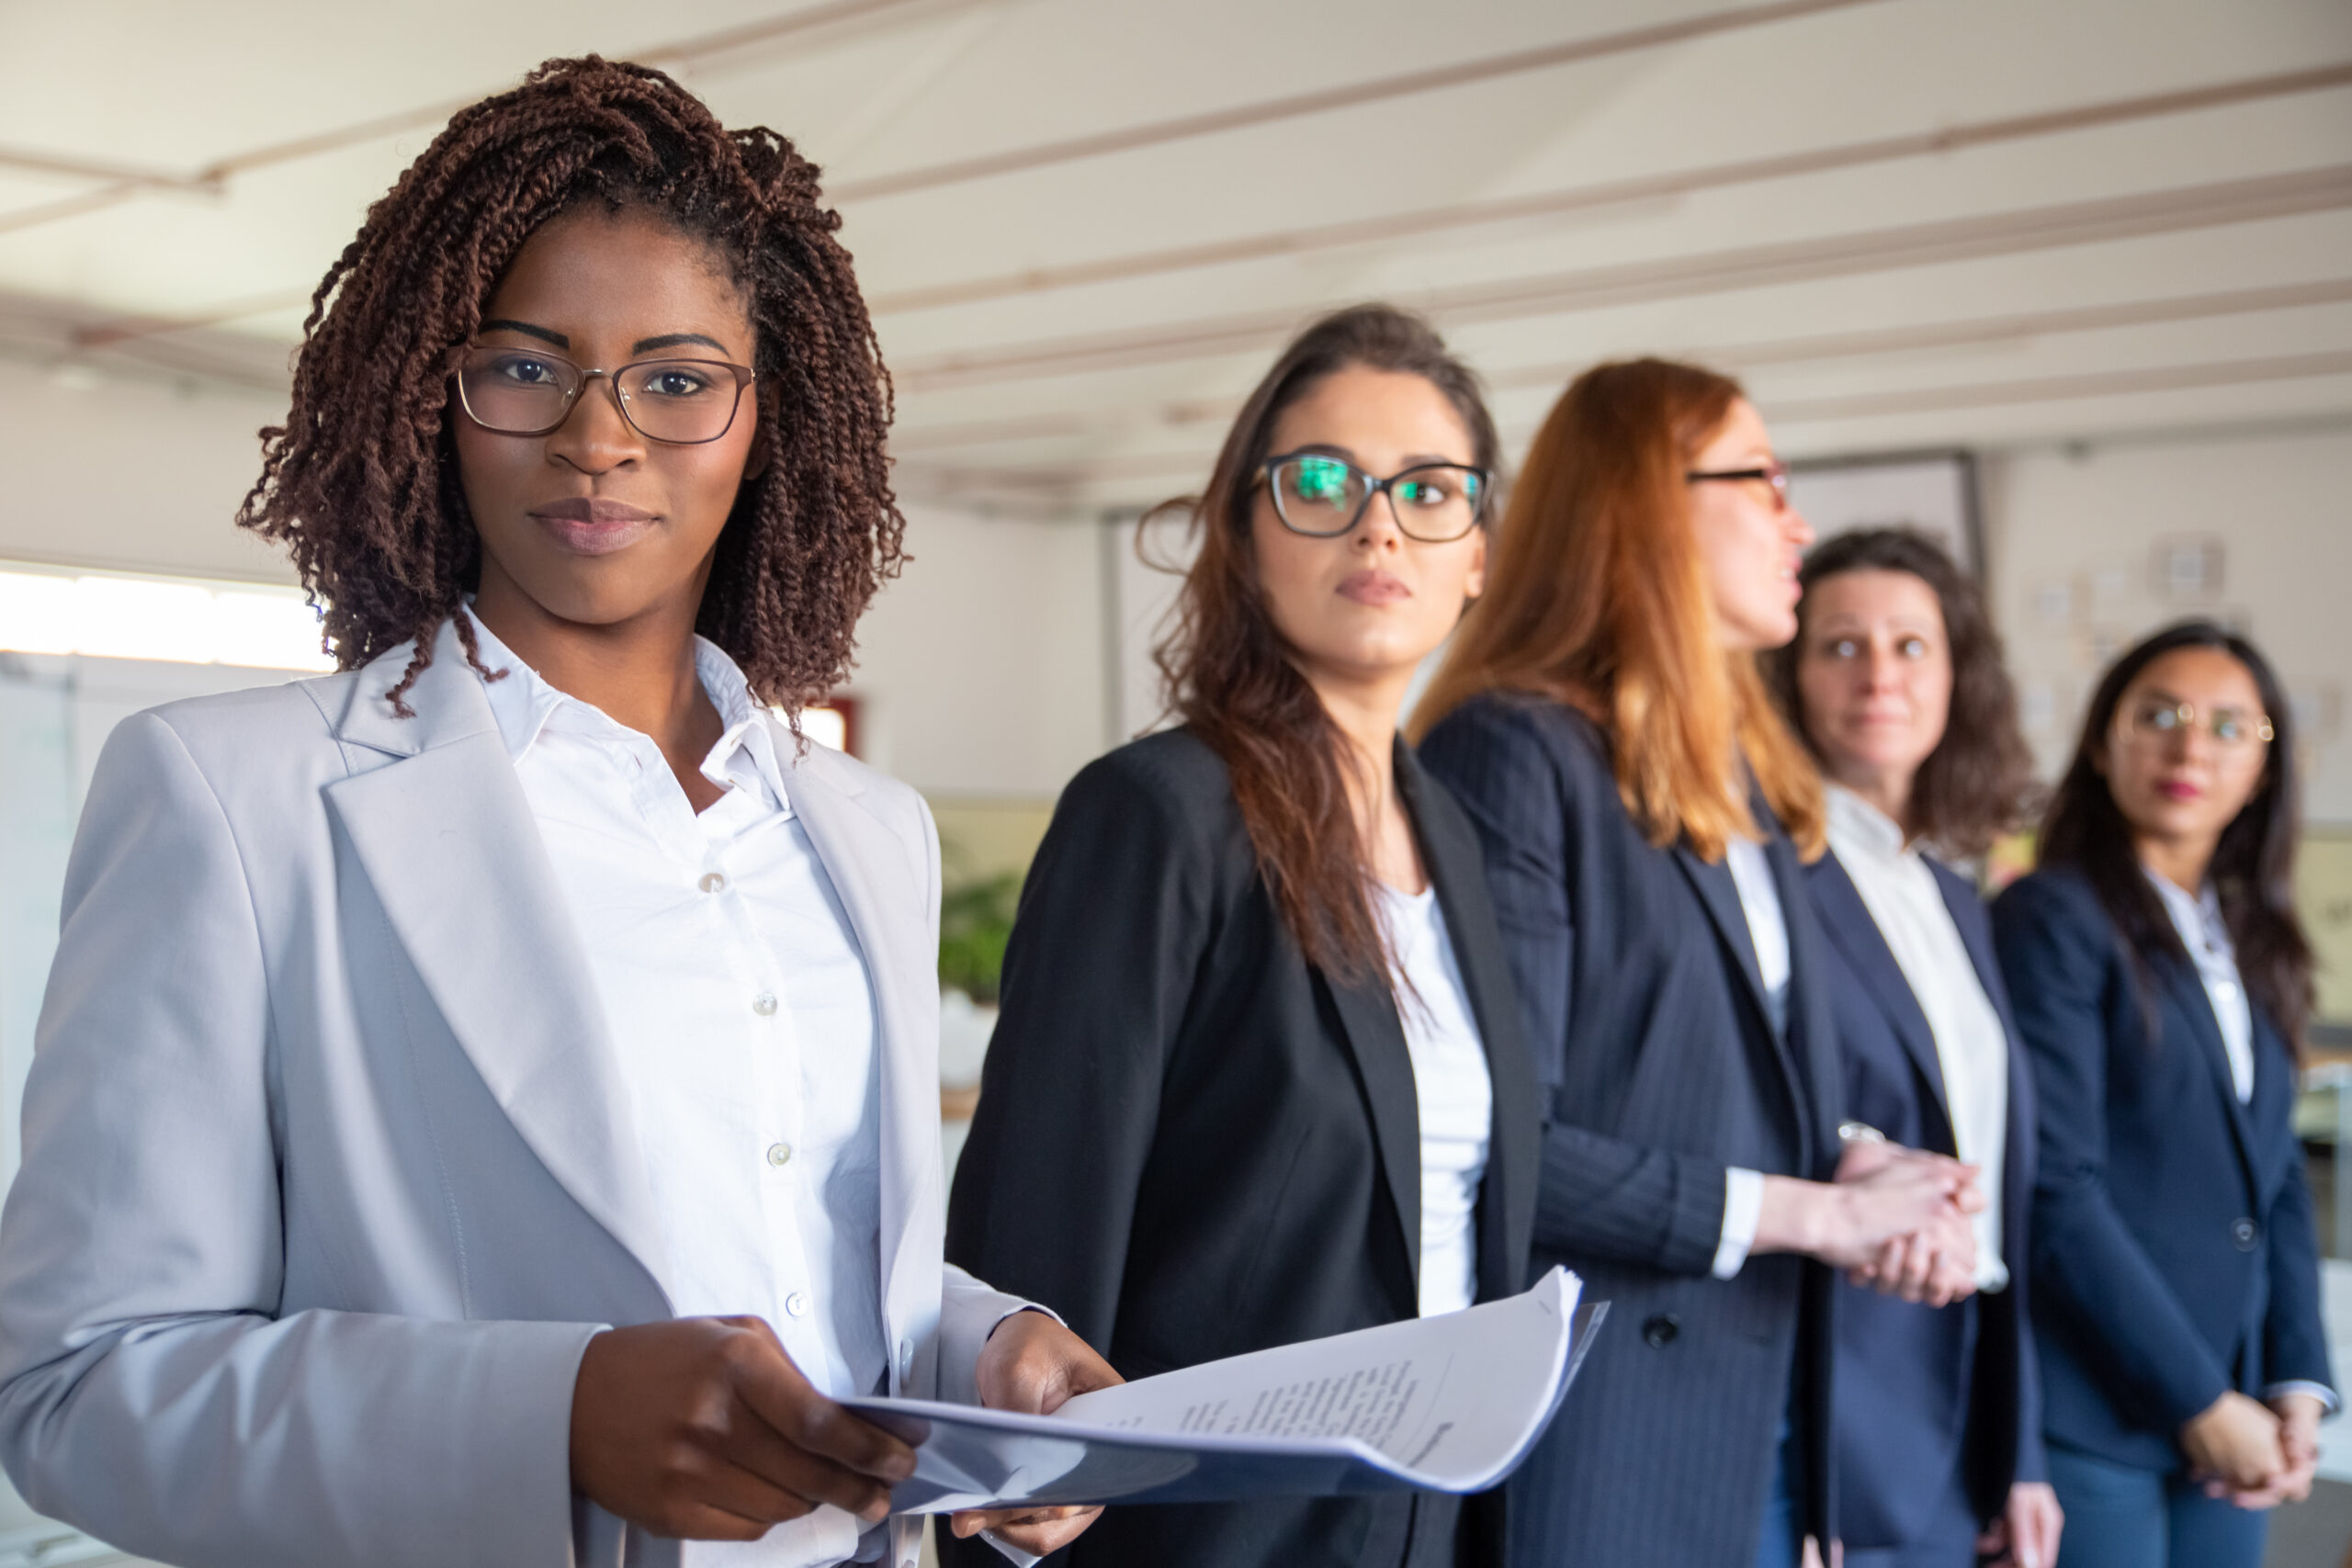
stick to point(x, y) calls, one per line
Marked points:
point(905, 1357)
point(711, 882)
point(797, 1304)
point(779, 1154)
point(2243, 1234)
point(763, 1004)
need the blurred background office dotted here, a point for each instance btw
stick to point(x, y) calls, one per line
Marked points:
point(2069, 284)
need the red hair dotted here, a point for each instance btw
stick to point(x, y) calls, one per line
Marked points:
point(1597, 597)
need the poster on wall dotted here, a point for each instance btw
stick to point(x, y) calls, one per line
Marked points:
point(1934, 493)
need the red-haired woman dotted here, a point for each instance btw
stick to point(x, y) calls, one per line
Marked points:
point(1257, 1078)
point(1644, 812)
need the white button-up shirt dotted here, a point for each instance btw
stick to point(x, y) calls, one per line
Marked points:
point(1453, 1090)
point(1768, 931)
point(2198, 918)
point(744, 1022)
point(1899, 889)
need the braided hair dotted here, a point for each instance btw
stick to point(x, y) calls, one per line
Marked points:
point(360, 483)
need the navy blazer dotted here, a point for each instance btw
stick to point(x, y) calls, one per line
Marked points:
point(1658, 1069)
point(1914, 1383)
point(2173, 1251)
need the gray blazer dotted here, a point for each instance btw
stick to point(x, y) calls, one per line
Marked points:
point(328, 1179)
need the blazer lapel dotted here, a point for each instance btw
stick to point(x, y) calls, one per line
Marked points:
point(1857, 936)
point(1810, 1053)
point(2188, 997)
point(1376, 1036)
point(2018, 1150)
point(451, 848)
point(865, 859)
point(1506, 1195)
point(1719, 894)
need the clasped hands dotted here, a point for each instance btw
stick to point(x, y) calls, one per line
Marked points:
point(1907, 1230)
point(702, 1428)
point(2256, 1453)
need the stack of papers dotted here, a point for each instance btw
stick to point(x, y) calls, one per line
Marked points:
point(1448, 1404)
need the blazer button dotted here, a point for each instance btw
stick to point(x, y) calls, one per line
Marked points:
point(2243, 1234)
point(1659, 1331)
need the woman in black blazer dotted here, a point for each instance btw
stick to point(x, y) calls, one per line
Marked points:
point(1894, 681)
point(1258, 1076)
point(2162, 982)
point(1643, 814)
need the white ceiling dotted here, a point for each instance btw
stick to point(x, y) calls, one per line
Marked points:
point(1086, 225)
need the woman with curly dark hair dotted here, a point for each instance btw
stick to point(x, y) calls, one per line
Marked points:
point(1257, 1078)
point(485, 1109)
point(1895, 684)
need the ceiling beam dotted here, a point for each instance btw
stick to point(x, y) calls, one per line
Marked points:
point(125, 183)
point(1967, 333)
point(1324, 100)
point(1450, 218)
point(1979, 236)
point(1071, 480)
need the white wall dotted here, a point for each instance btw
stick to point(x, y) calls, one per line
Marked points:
point(135, 475)
point(2079, 538)
point(981, 669)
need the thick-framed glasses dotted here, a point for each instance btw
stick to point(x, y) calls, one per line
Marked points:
point(1775, 475)
point(2155, 719)
point(529, 391)
point(1323, 497)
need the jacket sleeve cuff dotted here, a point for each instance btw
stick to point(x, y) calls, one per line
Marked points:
point(1743, 1210)
point(2329, 1404)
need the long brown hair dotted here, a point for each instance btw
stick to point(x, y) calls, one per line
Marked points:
point(361, 482)
point(1598, 598)
point(1974, 785)
point(1229, 672)
point(2252, 871)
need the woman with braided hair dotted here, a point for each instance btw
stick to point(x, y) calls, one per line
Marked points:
point(484, 1105)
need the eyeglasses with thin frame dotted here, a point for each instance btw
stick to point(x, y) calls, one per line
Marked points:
point(1324, 497)
point(1775, 474)
point(2153, 718)
point(530, 391)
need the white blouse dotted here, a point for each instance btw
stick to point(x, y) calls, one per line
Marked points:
point(2199, 920)
point(1899, 889)
point(1455, 1095)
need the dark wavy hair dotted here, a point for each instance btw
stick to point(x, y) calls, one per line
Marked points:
point(1229, 672)
point(2254, 865)
point(361, 484)
point(1978, 782)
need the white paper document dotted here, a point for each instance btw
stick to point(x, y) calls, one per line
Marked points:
point(1449, 1403)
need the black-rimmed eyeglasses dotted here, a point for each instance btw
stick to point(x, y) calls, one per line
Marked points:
point(529, 391)
point(1775, 475)
point(1323, 497)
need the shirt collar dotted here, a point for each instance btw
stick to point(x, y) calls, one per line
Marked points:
point(1859, 823)
point(2196, 915)
point(522, 703)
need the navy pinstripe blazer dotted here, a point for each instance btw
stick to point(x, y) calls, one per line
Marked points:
point(1658, 1069)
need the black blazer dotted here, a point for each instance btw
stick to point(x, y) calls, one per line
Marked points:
point(1914, 1382)
point(2174, 1255)
point(1192, 1143)
point(1659, 1069)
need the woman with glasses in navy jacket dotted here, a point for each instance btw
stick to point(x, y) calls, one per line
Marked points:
point(2162, 982)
